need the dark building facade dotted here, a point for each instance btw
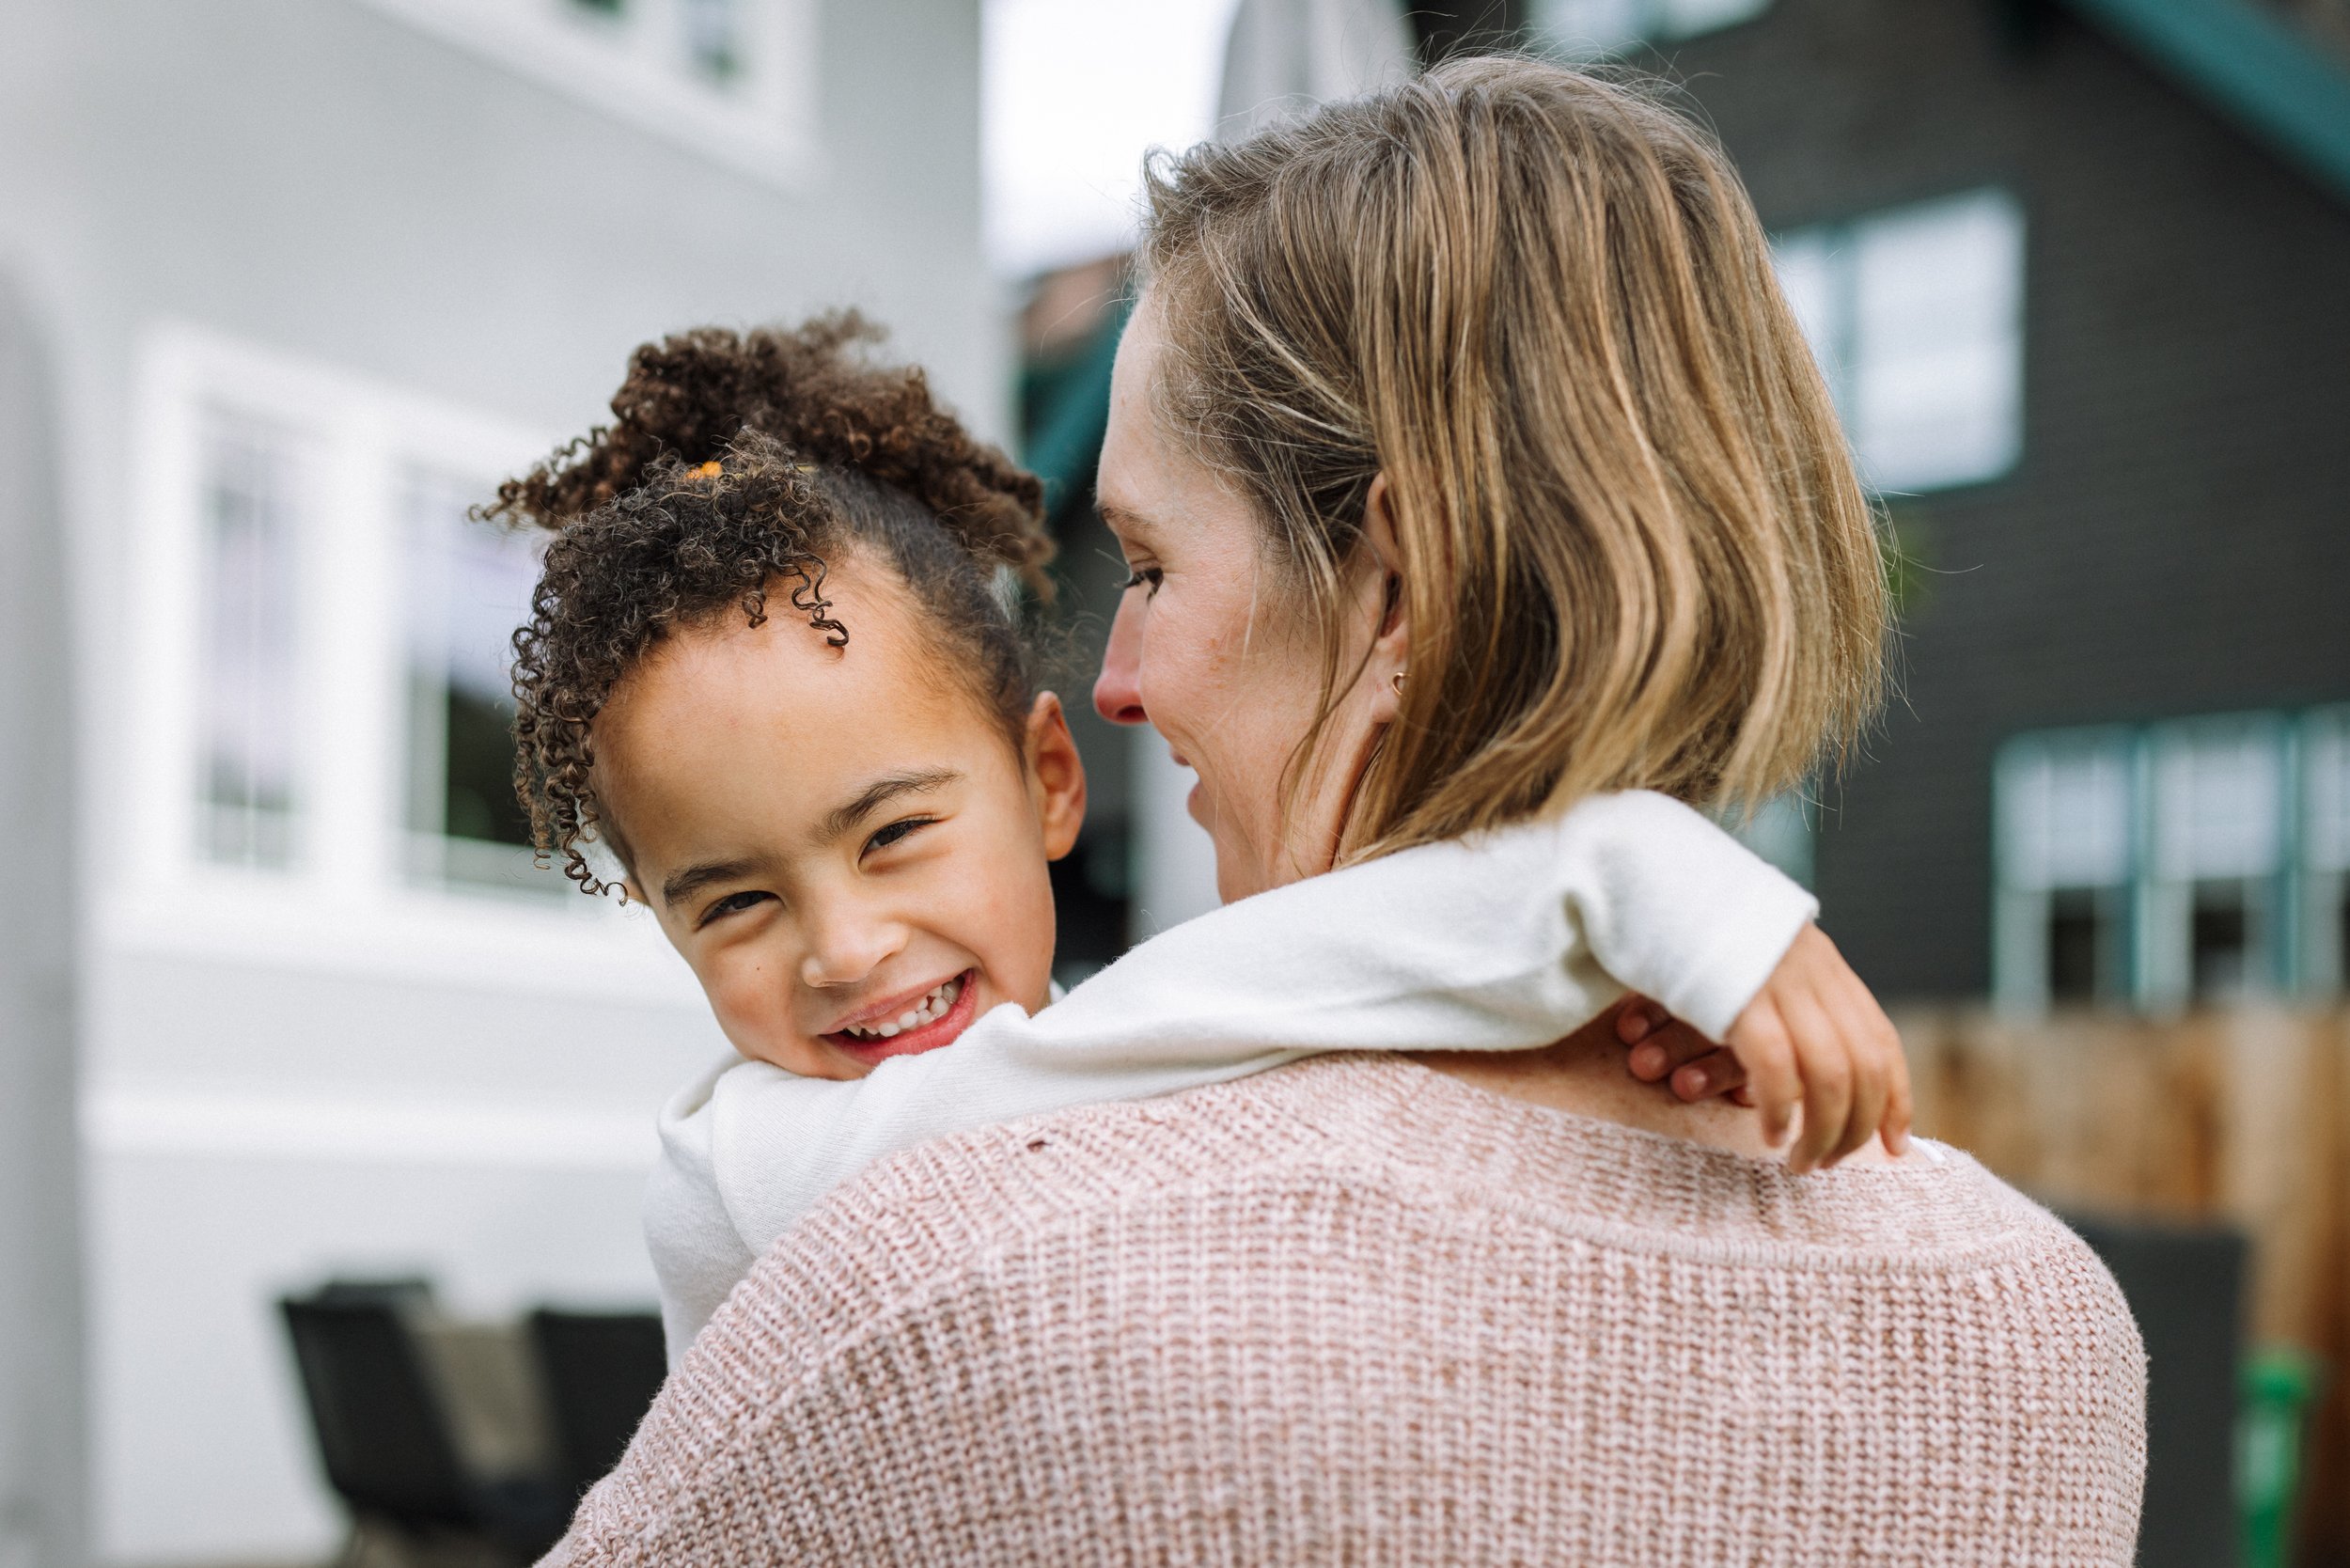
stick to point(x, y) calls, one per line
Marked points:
point(2165, 535)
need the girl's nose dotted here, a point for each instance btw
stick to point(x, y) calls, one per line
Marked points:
point(1118, 690)
point(846, 942)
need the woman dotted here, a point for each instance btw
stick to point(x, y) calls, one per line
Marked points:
point(1468, 462)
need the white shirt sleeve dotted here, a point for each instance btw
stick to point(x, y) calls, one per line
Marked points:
point(698, 1255)
point(1503, 941)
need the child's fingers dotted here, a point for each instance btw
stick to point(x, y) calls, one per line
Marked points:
point(1715, 1072)
point(1828, 1075)
point(1759, 1037)
point(1664, 1054)
point(1638, 1017)
point(1870, 1091)
point(1882, 1046)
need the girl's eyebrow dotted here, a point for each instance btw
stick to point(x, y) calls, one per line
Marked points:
point(686, 880)
point(845, 817)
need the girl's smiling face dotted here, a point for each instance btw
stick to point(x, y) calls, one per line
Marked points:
point(842, 842)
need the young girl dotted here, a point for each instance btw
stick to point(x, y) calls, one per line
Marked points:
point(770, 671)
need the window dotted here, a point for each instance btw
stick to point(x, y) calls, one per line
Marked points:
point(2064, 831)
point(730, 78)
point(245, 660)
point(2323, 908)
point(316, 765)
point(1582, 28)
point(2219, 810)
point(468, 587)
point(2200, 860)
point(1916, 318)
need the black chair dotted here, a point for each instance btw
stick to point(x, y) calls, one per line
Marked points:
point(601, 1370)
point(385, 1439)
point(2185, 1287)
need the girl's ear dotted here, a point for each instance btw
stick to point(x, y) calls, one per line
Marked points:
point(1056, 775)
point(1391, 633)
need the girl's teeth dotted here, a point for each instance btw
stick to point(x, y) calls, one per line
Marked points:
point(933, 1006)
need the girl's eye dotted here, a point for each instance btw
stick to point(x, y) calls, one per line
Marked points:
point(897, 832)
point(734, 904)
point(1146, 577)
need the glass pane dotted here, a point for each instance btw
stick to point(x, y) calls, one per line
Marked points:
point(1938, 341)
point(1815, 276)
point(2064, 813)
point(1683, 19)
point(2083, 946)
point(247, 667)
point(1582, 28)
point(2221, 941)
point(714, 37)
point(2219, 797)
point(470, 586)
point(2327, 792)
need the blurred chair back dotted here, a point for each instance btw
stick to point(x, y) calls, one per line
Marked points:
point(601, 1370)
point(381, 1431)
point(2186, 1288)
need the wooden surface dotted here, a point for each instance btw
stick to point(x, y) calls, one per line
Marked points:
point(2241, 1115)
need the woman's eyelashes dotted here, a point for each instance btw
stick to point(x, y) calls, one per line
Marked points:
point(1145, 577)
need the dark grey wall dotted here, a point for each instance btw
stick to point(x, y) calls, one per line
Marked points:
point(41, 1375)
point(2177, 537)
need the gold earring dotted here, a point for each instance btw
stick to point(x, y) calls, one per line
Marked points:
point(1397, 681)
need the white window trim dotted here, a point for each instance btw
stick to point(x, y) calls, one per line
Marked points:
point(765, 127)
point(1839, 360)
point(2300, 949)
point(346, 906)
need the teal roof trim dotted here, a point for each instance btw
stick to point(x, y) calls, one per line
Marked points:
point(2252, 65)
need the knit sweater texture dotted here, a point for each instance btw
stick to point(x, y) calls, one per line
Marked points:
point(1352, 1311)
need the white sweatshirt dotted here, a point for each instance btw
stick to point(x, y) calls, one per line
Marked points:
point(1505, 941)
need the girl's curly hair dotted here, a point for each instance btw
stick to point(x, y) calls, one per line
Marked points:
point(688, 395)
point(738, 467)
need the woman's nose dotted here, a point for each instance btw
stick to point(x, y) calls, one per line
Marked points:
point(1118, 690)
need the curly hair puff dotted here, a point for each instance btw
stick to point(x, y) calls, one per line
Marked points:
point(660, 525)
point(687, 396)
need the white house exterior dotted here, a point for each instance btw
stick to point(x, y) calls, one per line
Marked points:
point(283, 285)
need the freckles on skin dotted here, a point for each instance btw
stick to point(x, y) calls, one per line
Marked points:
point(1214, 651)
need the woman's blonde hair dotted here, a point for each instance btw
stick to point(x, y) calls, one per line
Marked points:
point(1635, 553)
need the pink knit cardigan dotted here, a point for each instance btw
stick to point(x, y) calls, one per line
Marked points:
point(1357, 1311)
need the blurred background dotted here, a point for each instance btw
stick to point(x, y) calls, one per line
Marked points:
point(296, 1046)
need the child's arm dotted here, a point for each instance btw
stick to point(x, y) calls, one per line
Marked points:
point(1813, 1034)
point(1506, 941)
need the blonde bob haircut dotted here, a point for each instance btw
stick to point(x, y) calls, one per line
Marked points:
point(1635, 554)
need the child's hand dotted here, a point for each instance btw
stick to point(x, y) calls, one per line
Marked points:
point(1812, 1035)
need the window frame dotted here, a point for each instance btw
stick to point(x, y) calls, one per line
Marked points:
point(763, 124)
point(347, 901)
point(1650, 22)
point(2294, 907)
point(1838, 244)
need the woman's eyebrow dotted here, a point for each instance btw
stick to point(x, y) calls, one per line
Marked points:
point(1125, 522)
point(845, 817)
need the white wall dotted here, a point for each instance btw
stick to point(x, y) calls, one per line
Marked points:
point(40, 1424)
point(274, 1087)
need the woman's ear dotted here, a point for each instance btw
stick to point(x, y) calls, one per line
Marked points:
point(1389, 656)
point(1056, 775)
